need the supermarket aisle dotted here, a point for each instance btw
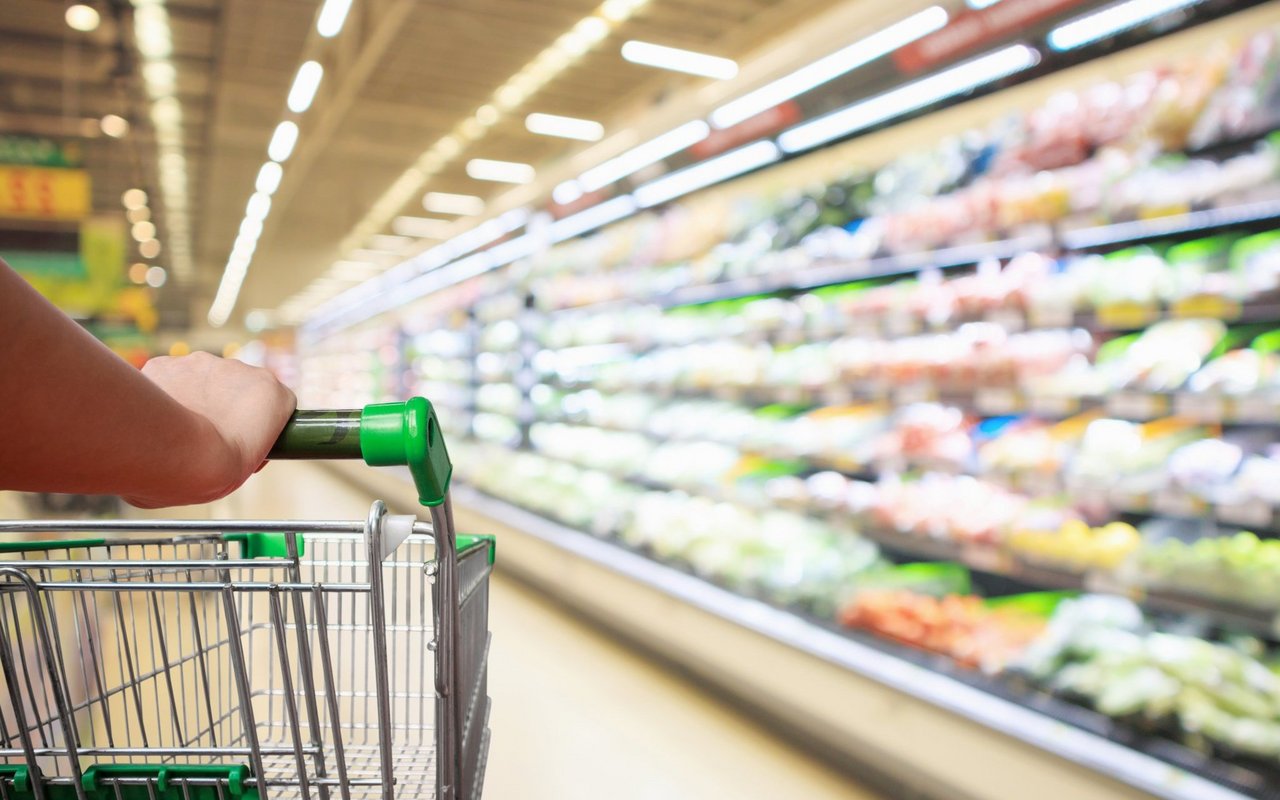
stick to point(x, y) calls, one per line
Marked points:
point(575, 714)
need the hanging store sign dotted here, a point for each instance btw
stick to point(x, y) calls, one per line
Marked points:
point(766, 122)
point(38, 151)
point(40, 193)
point(969, 31)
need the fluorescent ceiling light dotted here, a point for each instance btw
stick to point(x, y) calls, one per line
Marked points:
point(1110, 21)
point(114, 125)
point(981, 4)
point(250, 228)
point(333, 14)
point(487, 169)
point(83, 18)
point(909, 97)
point(143, 231)
point(133, 198)
point(392, 244)
point(421, 227)
point(830, 67)
point(641, 156)
point(673, 58)
point(584, 130)
point(447, 203)
point(282, 141)
point(269, 178)
point(258, 207)
point(714, 170)
point(513, 250)
point(305, 84)
point(566, 192)
point(592, 218)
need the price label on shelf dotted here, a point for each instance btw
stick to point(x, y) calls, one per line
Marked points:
point(1137, 405)
point(1008, 318)
point(997, 400)
point(1127, 315)
point(1200, 407)
point(1129, 501)
point(1207, 305)
point(837, 396)
point(987, 558)
point(1253, 513)
point(901, 323)
point(1053, 405)
point(1051, 317)
point(1039, 484)
point(1105, 583)
point(1257, 408)
point(914, 393)
point(1178, 504)
point(792, 395)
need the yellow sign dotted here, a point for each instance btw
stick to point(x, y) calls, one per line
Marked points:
point(42, 193)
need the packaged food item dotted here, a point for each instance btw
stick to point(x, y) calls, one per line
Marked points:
point(967, 629)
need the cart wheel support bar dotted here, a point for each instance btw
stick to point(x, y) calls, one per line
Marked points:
point(383, 434)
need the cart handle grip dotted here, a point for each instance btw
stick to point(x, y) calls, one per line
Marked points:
point(383, 434)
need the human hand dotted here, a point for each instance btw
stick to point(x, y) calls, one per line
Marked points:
point(237, 413)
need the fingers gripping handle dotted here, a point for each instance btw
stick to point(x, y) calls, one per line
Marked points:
point(384, 434)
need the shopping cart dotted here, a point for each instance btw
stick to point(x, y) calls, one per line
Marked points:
point(208, 660)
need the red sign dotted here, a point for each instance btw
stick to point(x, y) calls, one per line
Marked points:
point(750, 129)
point(967, 31)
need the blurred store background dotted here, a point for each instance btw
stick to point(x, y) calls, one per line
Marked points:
point(887, 391)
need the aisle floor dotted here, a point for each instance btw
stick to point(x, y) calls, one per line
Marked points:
point(576, 714)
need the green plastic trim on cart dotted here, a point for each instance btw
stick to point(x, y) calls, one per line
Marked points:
point(265, 545)
point(408, 434)
point(98, 782)
point(50, 544)
point(20, 774)
point(466, 541)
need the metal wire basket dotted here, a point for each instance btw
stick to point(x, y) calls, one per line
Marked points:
point(203, 660)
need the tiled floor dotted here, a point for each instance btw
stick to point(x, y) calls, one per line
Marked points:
point(576, 715)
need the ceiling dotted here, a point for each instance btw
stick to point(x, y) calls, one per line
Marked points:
point(401, 75)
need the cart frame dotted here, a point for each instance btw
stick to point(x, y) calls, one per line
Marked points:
point(181, 585)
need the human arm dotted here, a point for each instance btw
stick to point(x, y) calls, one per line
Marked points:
point(80, 419)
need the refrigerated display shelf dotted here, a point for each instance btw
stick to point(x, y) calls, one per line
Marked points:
point(1247, 216)
point(1253, 410)
point(1147, 760)
point(1254, 514)
point(992, 559)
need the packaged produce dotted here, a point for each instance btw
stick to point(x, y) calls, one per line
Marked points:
point(962, 627)
point(1100, 650)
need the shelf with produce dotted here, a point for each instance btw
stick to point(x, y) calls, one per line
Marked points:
point(799, 627)
point(1251, 409)
point(1001, 551)
point(863, 441)
point(1115, 235)
point(1226, 203)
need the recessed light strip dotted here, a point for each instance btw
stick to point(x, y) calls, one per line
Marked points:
point(706, 173)
point(844, 60)
point(1110, 21)
point(154, 41)
point(678, 60)
point(641, 156)
point(566, 50)
point(910, 97)
point(583, 130)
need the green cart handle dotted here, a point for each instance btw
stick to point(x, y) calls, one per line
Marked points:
point(383, 434)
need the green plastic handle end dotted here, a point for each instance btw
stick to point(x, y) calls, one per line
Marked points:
point(408, 434)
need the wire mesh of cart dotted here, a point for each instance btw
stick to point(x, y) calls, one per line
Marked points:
point(213, 660)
